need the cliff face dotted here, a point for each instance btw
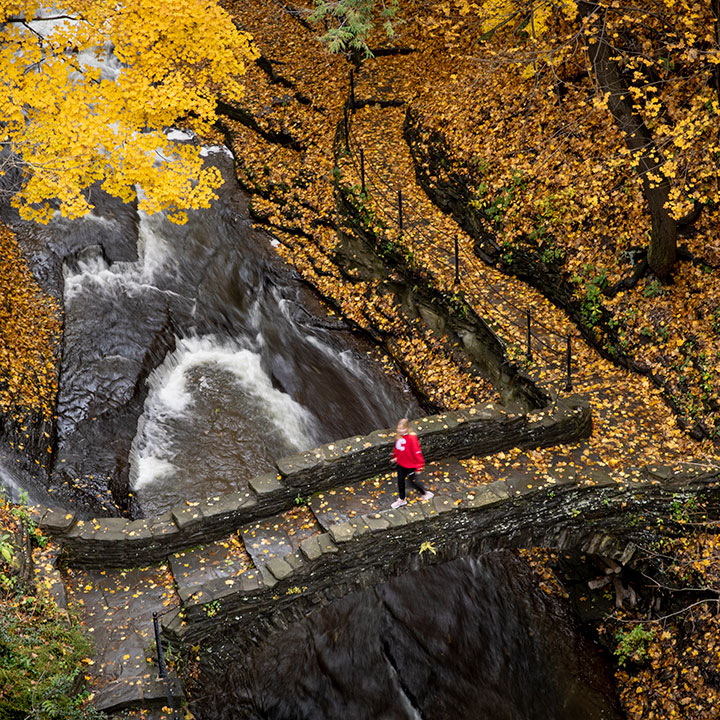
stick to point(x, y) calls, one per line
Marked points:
point(472, 638)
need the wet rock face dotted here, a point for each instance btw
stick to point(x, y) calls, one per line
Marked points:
point(111, 342)
point(132, 285)
point(110, 233)
point(475, 638)
point(110, 347)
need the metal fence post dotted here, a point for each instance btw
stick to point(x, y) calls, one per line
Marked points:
point(362, 169)
point(529, 338)
point(162, 669)
point(568, 384)
point(400, 214)
point(457, 261)
point(347, 128)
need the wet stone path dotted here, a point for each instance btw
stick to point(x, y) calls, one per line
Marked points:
point(371, 496)
point(116, 606)
point(116, 609)
point(216, 560)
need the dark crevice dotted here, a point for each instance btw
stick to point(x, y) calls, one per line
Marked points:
point(377, 102)
point(392, 51)
point(298, 14)
point(628, 283)
point(275, 78)
point(244, 117)
point(325, 667)
point(267, 67)
point(401, 623)
point(686, 222)
point(399, 678)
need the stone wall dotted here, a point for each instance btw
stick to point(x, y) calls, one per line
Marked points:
point(607, 516)
point(480, 430)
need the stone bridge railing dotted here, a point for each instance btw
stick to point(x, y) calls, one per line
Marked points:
point(605, 515)
point(481, 430)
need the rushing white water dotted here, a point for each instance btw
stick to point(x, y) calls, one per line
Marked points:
point(174, 391)
point(19, 491)
point(154, 255)
point(207, 150)
point(49, 19)
point(177, 135)
point(9, 485)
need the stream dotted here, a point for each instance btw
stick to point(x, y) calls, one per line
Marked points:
point(475, 639)
point(244, 363)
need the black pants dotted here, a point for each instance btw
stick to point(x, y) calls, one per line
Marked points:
point(409, 473)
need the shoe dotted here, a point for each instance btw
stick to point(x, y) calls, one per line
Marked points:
point(398, 503)
point(427, 495)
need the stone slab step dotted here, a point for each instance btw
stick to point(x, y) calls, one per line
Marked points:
point(280, 535)
point(145, 691)
point(116, 607)
point(221, 559)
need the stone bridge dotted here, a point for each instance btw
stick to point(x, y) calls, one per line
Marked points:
point(601, 515)
point(191, 565)
point(104, 543)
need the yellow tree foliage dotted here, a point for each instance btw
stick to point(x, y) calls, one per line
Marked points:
point(653, 70)
point(30, 327)
point(86, 92)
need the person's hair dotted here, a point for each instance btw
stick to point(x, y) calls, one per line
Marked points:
point(405, 423)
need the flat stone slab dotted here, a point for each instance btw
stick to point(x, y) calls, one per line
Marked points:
point(265, 484)
point(116, 607)
point(371, 496)
point(576, 464)
point(279, 569)
point(146, 690)
point(520, 482)
point(221, 559)
point(278, 536)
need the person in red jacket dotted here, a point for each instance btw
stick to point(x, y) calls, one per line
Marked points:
point(408, 456)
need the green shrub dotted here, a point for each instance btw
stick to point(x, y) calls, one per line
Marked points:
point(633, 645)
point(40, 662)
point(41, 650)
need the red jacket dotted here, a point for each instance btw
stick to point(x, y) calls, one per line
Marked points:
point(407, 452)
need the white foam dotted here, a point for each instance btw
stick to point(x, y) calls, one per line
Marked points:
point(9, 484)
point(207, 150)
point(93, 269)
point(98, 220)
point(177, 135)
point(346, 357)
point(169, 396)
point(155, 255)
point(14, 490)
point(155, 252)
point(101, 58)
point(151, 469)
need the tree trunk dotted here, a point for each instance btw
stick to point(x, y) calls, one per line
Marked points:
point(715, 4)
point(663, 242)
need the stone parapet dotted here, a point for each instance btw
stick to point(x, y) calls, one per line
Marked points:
point(227, 618)
point(479, 430)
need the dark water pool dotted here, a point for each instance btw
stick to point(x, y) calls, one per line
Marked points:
point(475, 639)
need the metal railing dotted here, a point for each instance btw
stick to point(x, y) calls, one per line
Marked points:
point(443, 249)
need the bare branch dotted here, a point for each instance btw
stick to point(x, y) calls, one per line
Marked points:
point(665, 617)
